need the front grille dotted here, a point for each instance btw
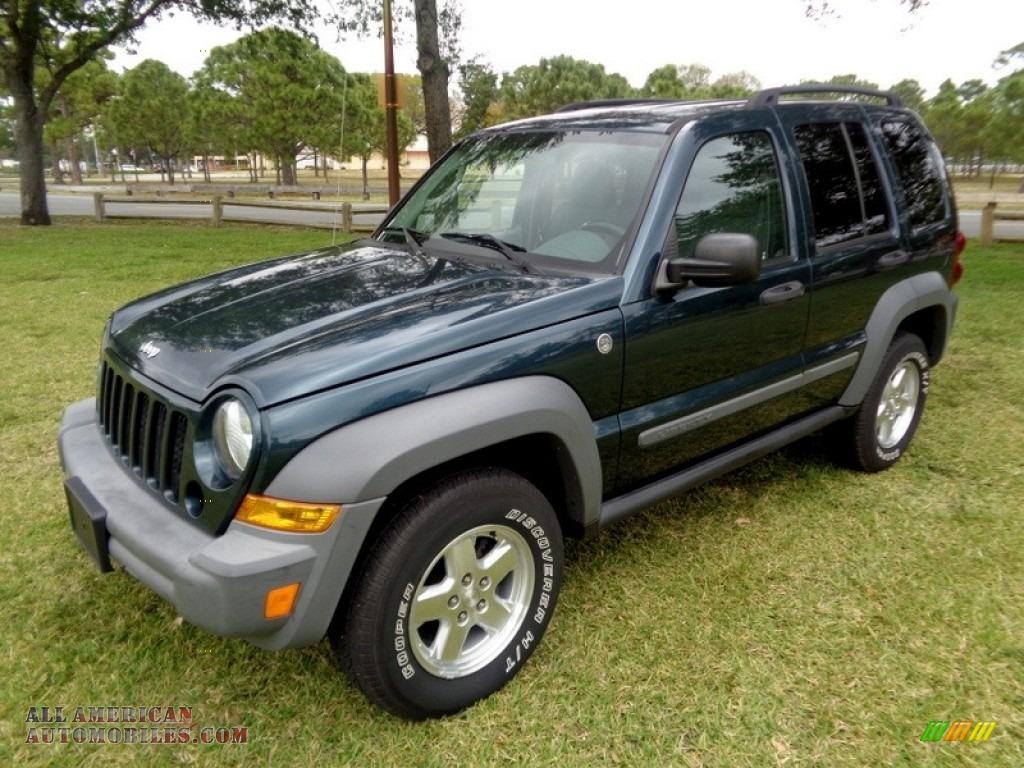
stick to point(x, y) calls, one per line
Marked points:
point(147, 435)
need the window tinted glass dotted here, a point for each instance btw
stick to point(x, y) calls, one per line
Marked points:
point(918, 166)
point(829, 170)
point(876, 208)
point(734, 186)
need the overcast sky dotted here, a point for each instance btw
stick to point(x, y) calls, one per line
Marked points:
point(772, 39)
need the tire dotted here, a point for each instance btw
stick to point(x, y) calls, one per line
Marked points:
point(884, 425)
point(455, 595)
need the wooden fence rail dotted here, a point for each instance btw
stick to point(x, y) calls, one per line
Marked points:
point(989, 217)
point(344, 220)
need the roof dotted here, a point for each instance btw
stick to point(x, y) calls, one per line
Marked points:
point(660, 115)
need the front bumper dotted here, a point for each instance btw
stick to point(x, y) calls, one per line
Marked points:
point(218, 583)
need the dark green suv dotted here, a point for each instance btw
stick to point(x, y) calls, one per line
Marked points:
point(567, 320)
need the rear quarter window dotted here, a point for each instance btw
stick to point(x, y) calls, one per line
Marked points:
point(919, 168)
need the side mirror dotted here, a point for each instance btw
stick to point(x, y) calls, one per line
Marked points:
point(722, 258)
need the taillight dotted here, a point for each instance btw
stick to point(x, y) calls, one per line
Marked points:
point(959, 243)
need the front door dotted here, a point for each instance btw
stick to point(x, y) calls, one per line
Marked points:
point(706, 367)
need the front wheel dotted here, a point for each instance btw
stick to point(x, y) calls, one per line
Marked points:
point(455, 595)
point(886, 421)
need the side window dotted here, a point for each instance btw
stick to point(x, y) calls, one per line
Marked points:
point(734, 186)
point(876, 206)
point(920, 172)
point(848, 199)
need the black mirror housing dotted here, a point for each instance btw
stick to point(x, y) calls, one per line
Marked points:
point(722, 258)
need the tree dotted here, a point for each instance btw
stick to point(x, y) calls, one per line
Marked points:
point(152, 110)
point(693, 81)
point(478, 106)
point(283, 90)
point(411, 90)
point(215, 124)
point(664, 83)
point(1011, 54)
point(544, 87)
point(77, 106)
point(61, 37)
point(853, 80)
point(7, 148)
point(365, 131)
point(1008, 121)
point(735, 85)
point(911, 92)
point(437, 52)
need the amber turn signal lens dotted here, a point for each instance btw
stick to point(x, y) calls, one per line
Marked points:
point(284, 515)
point(280, 601)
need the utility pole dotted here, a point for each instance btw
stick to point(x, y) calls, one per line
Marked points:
point(390, 107)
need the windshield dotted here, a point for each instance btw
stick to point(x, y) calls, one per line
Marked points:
point(560, 201)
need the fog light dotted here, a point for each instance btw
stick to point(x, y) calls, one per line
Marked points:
point(280, 601)
point(284, 515)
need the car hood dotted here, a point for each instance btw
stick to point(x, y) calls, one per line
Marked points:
point(285, 328)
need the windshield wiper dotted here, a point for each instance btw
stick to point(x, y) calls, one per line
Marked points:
point(510, 251)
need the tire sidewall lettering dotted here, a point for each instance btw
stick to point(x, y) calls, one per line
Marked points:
point(545, 547)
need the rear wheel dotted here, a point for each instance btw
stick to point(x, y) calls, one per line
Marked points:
point(885, 423)
point(455, 595)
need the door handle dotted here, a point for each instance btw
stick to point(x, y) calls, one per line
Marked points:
point(784, 292)
point(893, 259)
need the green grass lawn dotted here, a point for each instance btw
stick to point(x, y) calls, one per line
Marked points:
point(792, 613)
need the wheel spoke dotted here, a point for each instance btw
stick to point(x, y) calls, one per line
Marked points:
point(500, 562)
point(460, 558)
point(450, 641)
point(496, 617)
point(896, 382)
point(431, 603)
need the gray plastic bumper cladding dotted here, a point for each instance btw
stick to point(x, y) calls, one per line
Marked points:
point(218, 583)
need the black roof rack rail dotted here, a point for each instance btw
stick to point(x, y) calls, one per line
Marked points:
point(595, 103)
point(771, 96)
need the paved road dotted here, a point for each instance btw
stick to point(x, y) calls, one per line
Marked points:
point(325, 215)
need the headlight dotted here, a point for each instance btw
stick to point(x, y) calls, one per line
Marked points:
point(232, 437)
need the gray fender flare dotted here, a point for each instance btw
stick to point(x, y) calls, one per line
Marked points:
point(369, 458)
point(922, 291)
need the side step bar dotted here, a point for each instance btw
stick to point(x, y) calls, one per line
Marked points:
point(622, 506)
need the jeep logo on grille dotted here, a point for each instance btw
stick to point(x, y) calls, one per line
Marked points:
point(149, 349)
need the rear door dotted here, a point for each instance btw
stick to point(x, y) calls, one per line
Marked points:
point(853, 233)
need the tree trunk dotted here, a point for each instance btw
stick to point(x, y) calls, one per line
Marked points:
point(74, 160)
point(366, 178)
point(434, 72)
point(288, 174)
point(58, 172)
point(28, 138)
